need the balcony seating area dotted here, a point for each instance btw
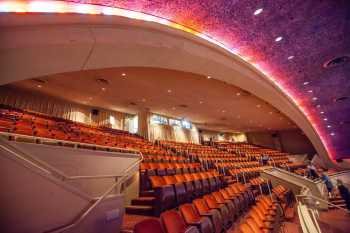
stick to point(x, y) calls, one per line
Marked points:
point(184, 187)
point(255, 153)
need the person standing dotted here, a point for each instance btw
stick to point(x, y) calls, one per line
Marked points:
point(328, 183)
point(344, 193)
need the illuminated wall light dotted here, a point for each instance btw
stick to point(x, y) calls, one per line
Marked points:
point(329, 126)
point(69, 7)
point(306, 83)
point(208, 77)
point(278, 39)
point(258, 11)
point(290, 57)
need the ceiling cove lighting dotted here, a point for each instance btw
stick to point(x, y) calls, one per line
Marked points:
point(47, 6)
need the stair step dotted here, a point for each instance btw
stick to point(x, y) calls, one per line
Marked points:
point(139, 210)
point(338, 201)
point(147, 201)
point(149, 193)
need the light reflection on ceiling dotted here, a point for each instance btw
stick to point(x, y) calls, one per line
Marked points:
point(287, 41)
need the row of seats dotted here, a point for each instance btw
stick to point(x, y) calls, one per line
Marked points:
point(171, 191)
point(162, 169)
point(19, 122)
point(264, 217)
point(213, 213)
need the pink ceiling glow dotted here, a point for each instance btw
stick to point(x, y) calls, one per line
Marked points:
point(288, 41)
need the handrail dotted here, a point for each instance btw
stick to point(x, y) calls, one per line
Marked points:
point(309, 196)
point(43, 166)
point(99, 200)
point(55, 172)
point(68, 142)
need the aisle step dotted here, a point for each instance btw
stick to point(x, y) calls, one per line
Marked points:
point(139, 210)
point(146, 201)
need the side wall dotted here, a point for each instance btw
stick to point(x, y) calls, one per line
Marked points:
point(291, 141)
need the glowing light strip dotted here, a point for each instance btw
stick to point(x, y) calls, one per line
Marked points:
point(80, 8)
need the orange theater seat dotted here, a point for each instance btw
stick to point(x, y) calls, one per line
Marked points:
point(174, 223)
point(148, 226)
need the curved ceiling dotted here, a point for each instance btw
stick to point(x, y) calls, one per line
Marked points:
point(165, 92)
point(288, 41)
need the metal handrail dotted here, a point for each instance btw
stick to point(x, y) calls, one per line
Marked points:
point(43, 139)
point(121, 178)
point(99, 200)
point(43, 166)
point(309, 196)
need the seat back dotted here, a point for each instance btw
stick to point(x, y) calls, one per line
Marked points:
point(173, 222)
point(148, 226)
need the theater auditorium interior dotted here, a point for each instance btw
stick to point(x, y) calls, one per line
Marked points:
point(175, 116)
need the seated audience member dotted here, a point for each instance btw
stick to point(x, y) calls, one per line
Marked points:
point(312, 173)
point(265, 159)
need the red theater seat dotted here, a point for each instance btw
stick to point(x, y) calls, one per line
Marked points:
point(148, 226)
point(174, 223)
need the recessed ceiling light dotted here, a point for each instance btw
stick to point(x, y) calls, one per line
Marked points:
point(238, 94)
point(123, 74)
point(39, 86)
point(314, 98)
point(169, 91)
point(332, 134)
point(310, 91)
point(278, 38)
point(290, 57)
point(329, 126)
point(258, 11)
point(325, 119)
point(200, 102)
point(306, 83)
point(103, 88)
point(322, 112)
point(208, 77)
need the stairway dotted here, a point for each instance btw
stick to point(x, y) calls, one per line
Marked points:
point(143, 205)
point(338, 201)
